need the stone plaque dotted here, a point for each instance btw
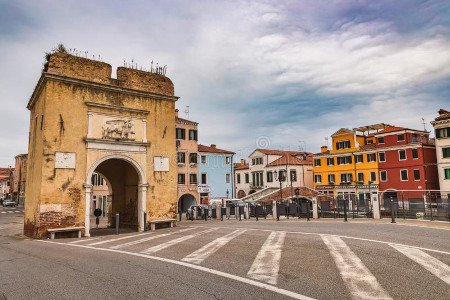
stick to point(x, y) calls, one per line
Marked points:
point(65, 160)
point(161, 164)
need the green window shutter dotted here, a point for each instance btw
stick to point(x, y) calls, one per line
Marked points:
point(447, 173)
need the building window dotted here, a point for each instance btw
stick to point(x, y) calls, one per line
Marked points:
point(361, 177)
point(415, 153)
point(192, 158)
point(381, 140)
point(346, 178)
point(257, 161)
point(416, 174)
point(269, 176)
point(447, 173)
point(344, 160)
point(373, 176)
point(193, 178)
point(317, 178)
point(330, 161)
point(203, 159)
point(342, 145)
point(96, 179)
point(181, 157)
point(331, 178)
point(401, 154)
point(359, 158)
point(193, 135)
point(400, 137)
point(317, 162)
point(383, 176)
point(382, 157)
point(258, 179)
point(227, 178)
point(247, 178)
point(371, 157)
point(293, 175)
point(238, 178)
point(181, 178)
point(204, 181)
point(446, 152)
point(227, 160)
point(403, 175)
point(442, 132)
point(180, 133)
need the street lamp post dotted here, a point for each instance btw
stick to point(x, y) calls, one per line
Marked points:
point(297, 193)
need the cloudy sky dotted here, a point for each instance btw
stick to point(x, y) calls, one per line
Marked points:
point(276, 74)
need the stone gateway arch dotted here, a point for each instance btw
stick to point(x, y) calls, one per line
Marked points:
point(83, 121)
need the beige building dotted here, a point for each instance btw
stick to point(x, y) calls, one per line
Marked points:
point(19, 179)
point(442, 133)
point(84, 121)
point(187, 161)
point(265, 167)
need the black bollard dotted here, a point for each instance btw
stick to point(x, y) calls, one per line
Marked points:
point(117, 223)
point(345, 211)
point(392, 211)
point(145, 221)
point(307, 211)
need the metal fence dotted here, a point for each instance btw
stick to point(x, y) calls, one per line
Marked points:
point(429, 205)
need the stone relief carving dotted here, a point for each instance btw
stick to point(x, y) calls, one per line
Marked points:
point(118, 130)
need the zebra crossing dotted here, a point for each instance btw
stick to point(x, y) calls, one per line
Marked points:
point(11, 212)
point(202, 247)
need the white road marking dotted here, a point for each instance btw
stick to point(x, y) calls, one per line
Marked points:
point(358, 279)
point(435, 266)
point(3, 212)
point(83, 240)
point(196, 267)
point(148, 239)
point(10, 212)
point(175, 241)
point(17, 211)
point(267, 263)
point(341, 236)
point(118, 239)
point(206, 251)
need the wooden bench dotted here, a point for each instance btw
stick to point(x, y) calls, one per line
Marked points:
point(173, 223)
point(67, 229)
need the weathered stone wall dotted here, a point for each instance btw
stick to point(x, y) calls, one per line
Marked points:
point(56, 197)
point(145, 81)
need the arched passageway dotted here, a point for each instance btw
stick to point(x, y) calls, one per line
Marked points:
point(127, 197)
point(184, 202)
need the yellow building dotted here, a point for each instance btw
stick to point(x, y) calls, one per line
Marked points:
point(83, 121)
point(350, 167)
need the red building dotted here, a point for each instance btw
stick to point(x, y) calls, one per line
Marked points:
point(406, 163)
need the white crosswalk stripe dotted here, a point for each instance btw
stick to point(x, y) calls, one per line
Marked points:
point(435, 266)
point(148, 239)
point(118, 239)
point(358, 279)
point(206, 251)
point(3, 212)
point(267, 263)
point(175, 241)
point(83, 240)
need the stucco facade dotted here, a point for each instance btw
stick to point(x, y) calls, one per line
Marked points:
point(442, 133)
point(187, 160)
point(83, 121)
point(216, 173)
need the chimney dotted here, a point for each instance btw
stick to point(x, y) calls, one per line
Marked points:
point(324, 149)
point(213, 146)
point(242, 161)
point(176, 112)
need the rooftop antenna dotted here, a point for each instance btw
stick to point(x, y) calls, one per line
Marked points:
point(186, 111)
point(326, 141)
point(423, 122)
point(151, 67)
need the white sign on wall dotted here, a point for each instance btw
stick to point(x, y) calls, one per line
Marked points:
point(65, 160)
point(161, 164)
